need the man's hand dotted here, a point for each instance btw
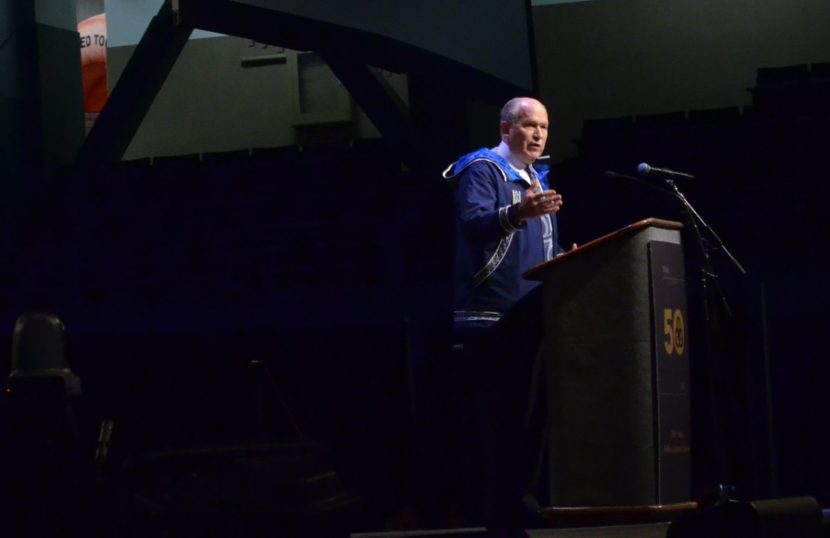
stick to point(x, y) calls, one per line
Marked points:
point(537, 202)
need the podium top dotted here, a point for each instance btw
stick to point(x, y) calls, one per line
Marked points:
point(535, 273)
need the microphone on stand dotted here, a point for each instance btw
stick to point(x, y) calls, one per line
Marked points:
point(645, 169)
point(641, 181)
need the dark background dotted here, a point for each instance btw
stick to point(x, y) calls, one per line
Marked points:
point(331, 263)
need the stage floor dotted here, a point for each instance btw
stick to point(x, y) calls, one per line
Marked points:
point(651, 530)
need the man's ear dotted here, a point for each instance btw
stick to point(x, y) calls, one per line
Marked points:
point(504, 128)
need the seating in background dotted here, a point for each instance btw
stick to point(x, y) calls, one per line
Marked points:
point(38, 352)
point(44, 469)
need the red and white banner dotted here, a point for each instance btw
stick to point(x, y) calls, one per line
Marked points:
point(93, 33)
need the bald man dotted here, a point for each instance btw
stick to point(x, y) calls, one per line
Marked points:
point(506, 224)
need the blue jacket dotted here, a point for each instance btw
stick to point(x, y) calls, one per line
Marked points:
point(492, 251)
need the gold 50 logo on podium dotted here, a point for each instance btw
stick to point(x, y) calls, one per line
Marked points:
point(675, 330)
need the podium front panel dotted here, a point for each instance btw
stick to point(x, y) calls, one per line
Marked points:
point(600, 369)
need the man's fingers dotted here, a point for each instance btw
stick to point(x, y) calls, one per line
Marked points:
point(553, 198)
point(543, 201)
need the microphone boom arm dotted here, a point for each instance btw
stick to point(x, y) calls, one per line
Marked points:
point(696, 216)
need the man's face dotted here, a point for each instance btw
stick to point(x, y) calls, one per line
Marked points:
point(526, 136)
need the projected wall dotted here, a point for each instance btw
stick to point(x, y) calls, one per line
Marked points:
point(128, 19)
point(486, 41)
point(488, 35)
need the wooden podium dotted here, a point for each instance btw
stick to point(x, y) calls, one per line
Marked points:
point(616, 358)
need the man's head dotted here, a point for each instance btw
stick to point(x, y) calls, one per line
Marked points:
point(524, 127)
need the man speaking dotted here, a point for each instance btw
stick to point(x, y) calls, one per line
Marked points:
point(506, 224)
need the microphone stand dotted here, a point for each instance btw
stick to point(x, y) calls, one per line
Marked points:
point(709, 280)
